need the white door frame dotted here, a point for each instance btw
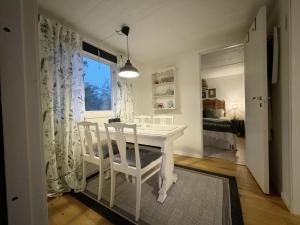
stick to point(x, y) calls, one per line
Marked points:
point(21, 108)
point(293, 25)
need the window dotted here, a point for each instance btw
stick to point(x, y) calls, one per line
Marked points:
point(97, 85)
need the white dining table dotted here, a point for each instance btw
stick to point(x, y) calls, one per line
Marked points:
point(162, 136)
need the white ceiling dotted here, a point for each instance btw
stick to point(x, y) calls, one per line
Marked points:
point(222, 63)
point(159, 28)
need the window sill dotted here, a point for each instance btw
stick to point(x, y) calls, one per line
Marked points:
point(97, 114)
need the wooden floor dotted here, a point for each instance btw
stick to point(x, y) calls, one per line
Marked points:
point(258, 209)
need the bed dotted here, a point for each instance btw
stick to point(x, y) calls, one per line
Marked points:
point(218, 131)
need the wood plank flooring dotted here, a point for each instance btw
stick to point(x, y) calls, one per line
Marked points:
point(258, 209)
point(67, 210)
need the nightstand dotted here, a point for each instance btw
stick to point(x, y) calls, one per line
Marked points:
point(239, 127)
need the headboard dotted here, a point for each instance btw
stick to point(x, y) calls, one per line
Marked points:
point(213, 104)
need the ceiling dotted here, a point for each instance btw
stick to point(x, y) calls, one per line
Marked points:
point(223, 63)
point(159, 28)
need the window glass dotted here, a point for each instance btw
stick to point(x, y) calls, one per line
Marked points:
point(97, 85)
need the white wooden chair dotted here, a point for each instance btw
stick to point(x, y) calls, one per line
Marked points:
point(143, 119)
point(137, 162)
point(163, 119)
point(94, 151)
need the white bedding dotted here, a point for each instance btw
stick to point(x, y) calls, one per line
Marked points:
point(224, 140)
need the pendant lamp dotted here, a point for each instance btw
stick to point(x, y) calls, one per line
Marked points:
point(128, 70)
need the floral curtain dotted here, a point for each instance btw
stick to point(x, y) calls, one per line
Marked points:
point(61, 71)
point(122, 96)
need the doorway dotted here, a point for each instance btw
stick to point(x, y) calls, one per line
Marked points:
point(223, 104)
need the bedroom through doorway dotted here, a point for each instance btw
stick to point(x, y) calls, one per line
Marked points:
point(223, 104)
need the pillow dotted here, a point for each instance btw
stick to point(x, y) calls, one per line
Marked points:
point(220, 113)
point(213, 113)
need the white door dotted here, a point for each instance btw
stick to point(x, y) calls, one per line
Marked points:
point(256, 93)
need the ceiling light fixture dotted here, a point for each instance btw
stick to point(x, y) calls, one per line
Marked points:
point(128, 70)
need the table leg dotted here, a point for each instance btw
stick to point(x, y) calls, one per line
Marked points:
point(168, 177)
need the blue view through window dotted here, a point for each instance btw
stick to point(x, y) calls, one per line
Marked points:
point(97, 85)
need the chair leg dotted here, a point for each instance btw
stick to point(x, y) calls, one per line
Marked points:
point(133, 179)
point(138, 197)
point(112, 188)
point(83, 175)
point(101, 178)
point(127, 178)
point(107, 175)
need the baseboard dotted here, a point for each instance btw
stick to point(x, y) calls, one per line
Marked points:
point(195, 155)
point(285, 201)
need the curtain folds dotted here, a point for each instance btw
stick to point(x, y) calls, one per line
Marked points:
point(61, 74)
point(122, 96)
point(61, 71)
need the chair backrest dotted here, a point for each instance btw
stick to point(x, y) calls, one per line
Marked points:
point(90, 138)
point(163, 119)
point(143, 119)
point(120, 138)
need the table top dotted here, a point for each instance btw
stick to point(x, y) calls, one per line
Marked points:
point(155, 130)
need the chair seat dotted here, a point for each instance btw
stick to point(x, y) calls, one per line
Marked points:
point(146, 157)
point(104, 145)
point(105, 150)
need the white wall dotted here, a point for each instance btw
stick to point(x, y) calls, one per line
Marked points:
point(188, 107)
point(232, 90)
point(285, 152)
point(295, 104)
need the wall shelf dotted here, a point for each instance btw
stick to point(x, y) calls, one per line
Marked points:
point(163, 89)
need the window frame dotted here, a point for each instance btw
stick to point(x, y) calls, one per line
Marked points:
point(100, 113)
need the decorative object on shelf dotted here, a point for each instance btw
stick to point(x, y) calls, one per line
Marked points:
point(212, 93)
point(170, 104)
point(159, 105)
point(163, 89)
point(128, 70)
point(167, 80)
point(169, 92)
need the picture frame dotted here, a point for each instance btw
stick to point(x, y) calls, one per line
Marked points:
point(212, 93)
point(204, 94)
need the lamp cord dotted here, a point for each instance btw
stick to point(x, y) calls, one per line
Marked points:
point(127, 48)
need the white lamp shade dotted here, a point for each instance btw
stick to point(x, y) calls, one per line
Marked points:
point(128, 74)
point(128, 71)
point(234, 106)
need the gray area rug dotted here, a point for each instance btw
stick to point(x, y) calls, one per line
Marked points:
point(196, 198)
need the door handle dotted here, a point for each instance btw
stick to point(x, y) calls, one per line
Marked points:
point(260, 98)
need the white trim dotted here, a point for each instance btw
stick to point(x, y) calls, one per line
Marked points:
point(97, 114)
point(285, 200)
point(219, 48)
point(22, 116)
point(194, 155)
point(288, 203)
